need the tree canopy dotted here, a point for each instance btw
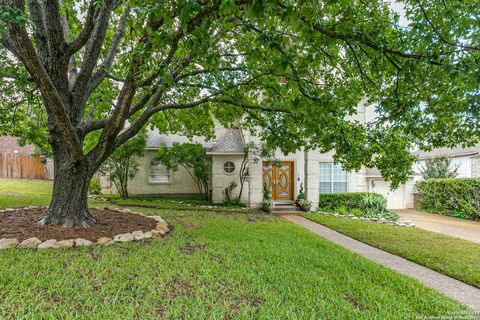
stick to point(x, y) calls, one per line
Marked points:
point(293, 71)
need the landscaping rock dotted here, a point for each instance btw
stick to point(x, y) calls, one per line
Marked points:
point(124, 237)
point(30, 243)
point(148, 234)
point(48, 244)
point(79, 242)
point(8, 243)
point(105, 241)
point(138, 235)
point(66, 243)
point(162, 226)
point(157, 233)
point(126, 211)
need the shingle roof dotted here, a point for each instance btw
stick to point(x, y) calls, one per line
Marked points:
point(448, 152)
point(155, 140)
point(230, 142)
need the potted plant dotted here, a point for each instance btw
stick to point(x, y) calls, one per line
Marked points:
point(301, 195)
point(305, 205)
point(267, 204)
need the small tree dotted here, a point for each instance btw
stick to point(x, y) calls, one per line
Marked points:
point(122, 165)
point(192, 157)
point(438, 168)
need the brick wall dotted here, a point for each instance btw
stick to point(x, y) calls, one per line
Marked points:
point(10, 145)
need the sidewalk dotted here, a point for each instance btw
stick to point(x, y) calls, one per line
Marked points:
point(466, 294)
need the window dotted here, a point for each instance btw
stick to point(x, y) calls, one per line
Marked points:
point(158, 173)
point(332, 178)
point(229, 167)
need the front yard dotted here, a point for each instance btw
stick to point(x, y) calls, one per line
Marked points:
point(216, 265)
point(451, 256)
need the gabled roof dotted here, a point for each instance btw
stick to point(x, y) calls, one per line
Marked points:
point(448, 152)
point(230, 142)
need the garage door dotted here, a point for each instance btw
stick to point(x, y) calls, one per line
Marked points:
point(395, 199)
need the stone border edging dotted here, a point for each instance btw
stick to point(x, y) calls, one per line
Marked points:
point(160, 230)
point(404, 223)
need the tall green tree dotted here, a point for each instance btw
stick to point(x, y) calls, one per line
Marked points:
point(122, 165)
point(293, 71)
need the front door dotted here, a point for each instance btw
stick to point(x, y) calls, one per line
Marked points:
point(278, 177)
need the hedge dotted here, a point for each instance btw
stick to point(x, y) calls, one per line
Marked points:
point(368, 204)
point(455, 197)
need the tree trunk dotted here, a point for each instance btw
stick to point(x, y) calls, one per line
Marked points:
point(70, 188)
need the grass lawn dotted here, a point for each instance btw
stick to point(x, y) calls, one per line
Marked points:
point(214, 265)
point(451, 256)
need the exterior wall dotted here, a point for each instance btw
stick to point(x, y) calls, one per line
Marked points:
point(221, 179)
point(463, 163)
point(475, 168)
point(356, 181)
point(180, 181)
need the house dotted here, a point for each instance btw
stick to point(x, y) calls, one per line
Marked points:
point(315, 170)
point(466, 160)
point(10, 145)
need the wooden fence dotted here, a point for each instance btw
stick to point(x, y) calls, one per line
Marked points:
point(22, 166)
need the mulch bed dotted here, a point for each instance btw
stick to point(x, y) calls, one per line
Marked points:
point(22, 224)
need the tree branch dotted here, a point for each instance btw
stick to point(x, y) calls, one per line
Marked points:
point(84, 35)
point(54, 103)
point(109, 58)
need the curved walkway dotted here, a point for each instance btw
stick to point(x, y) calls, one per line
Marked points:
point(466, 294)
point(454, 227)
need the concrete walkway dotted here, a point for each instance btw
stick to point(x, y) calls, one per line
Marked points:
point(466, 294)
point(454, 227)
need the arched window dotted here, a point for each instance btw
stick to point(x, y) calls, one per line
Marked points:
point(229, 167)
point(158, 173)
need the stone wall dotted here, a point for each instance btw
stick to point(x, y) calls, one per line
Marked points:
point(221, 179)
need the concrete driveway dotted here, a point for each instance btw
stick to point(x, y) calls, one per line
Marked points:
point(464, 229)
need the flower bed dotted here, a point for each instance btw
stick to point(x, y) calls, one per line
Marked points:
point(18, 229)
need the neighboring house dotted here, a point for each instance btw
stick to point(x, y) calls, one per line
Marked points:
point(9, 145)
point(316, 171)
point(467, 160)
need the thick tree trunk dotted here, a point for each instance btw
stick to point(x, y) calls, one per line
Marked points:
point(70, 188)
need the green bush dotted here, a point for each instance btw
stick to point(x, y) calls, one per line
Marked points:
point(456, 197)
point(364, 204)
point(95, 187)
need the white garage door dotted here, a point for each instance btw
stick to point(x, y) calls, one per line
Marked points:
point(395, 199)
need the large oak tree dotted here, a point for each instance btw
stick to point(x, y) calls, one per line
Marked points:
point(83, 77)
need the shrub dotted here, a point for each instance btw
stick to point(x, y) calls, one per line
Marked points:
point(366, 204)
point(95, 187)
point(457, 197)
point(228, 198)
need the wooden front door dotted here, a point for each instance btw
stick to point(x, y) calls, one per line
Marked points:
point(279, 179)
